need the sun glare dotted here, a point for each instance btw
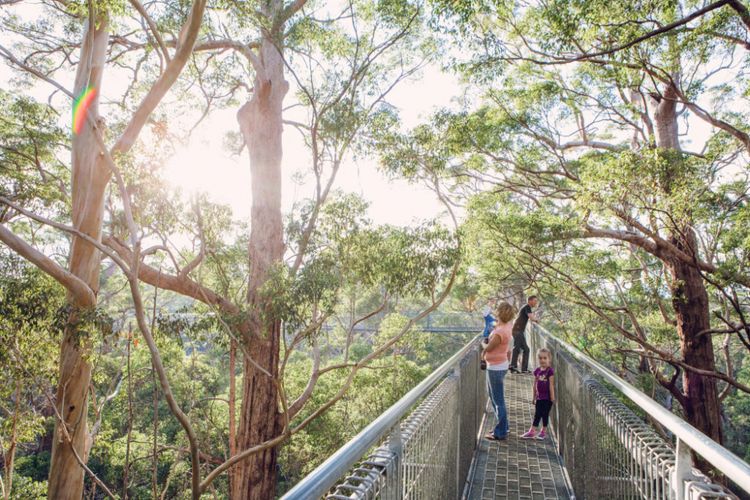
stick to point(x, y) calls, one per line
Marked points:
point(205, 168)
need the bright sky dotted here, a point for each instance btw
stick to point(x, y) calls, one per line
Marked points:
point(206, 166)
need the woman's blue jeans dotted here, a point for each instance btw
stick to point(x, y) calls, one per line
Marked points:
point(496, 390)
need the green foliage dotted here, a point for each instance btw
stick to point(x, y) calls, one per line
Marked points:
point(199, 383)
point(29, 339)
point(345, 249)
point(373, 390)
point(80, 8)
point(361, 55)
point(737, 409)
point(531, 204)
point(30, 173)
point(28, 489)
point(571, 186)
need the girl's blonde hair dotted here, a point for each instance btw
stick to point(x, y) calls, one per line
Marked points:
point(545, 350)
point(505, 312)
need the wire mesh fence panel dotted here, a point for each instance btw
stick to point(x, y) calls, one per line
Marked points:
point(608, 450)
point(430, 446)
point(429, 453)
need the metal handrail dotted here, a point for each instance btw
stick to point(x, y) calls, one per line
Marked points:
point(724, 460)
point(320, 481)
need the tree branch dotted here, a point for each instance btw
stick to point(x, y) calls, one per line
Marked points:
point(740, 8)
point(592, 56)
point(299, 403)
point(154, 30)
point(184, 48)
point(182, 285)
point(10, 57)
point(83, 296)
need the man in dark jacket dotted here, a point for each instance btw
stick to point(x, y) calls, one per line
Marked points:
point(519, 337)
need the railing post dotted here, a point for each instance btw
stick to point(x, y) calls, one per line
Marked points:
point(457, 376)
point(683, 469)
point(479, 378)
point(396, 446)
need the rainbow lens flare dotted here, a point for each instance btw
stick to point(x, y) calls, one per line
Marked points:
point(81, 108)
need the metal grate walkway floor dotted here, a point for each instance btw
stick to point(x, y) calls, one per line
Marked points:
point(517, 469)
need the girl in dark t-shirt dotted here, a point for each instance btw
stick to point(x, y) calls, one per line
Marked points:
point(544, 395)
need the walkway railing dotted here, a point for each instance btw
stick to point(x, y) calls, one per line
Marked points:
point(435, 322)
point(422, 447)
point(610, 452)
point(425, 442)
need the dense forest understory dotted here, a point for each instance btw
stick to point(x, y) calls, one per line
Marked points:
point(163, 342)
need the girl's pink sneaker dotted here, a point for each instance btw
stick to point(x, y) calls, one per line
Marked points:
point(530, 434)
point(541, 435)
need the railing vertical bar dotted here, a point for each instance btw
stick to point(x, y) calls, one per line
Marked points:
point(682, 469)
point(457, 446)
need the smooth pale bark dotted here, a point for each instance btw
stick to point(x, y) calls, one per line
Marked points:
point(689, 297)
point(90, 176)
point(72, 283)
point(665, 118)
point(92, 168)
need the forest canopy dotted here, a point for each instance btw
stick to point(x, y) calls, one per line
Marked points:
point(157, 343)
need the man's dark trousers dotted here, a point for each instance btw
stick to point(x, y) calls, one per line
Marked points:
point(519, 345)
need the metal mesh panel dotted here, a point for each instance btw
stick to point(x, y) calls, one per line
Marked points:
point(430, 445)
point(608, 450)
point(430, 456)
point(472, 401)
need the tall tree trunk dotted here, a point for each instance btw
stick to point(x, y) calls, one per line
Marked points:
point(261, 125)
point(690, 301)
point(90, 177)
point(689, 296)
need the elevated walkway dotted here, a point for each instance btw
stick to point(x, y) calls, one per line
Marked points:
point(429, 445)
point(524, 469)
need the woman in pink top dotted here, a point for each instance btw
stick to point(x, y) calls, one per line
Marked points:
point(496, 355)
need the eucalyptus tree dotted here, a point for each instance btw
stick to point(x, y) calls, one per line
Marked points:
point(44, 52)
point(343, 66)
point(578, 132)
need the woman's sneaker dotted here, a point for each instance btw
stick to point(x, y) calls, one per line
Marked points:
point(541, 435)
point(530, 434)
